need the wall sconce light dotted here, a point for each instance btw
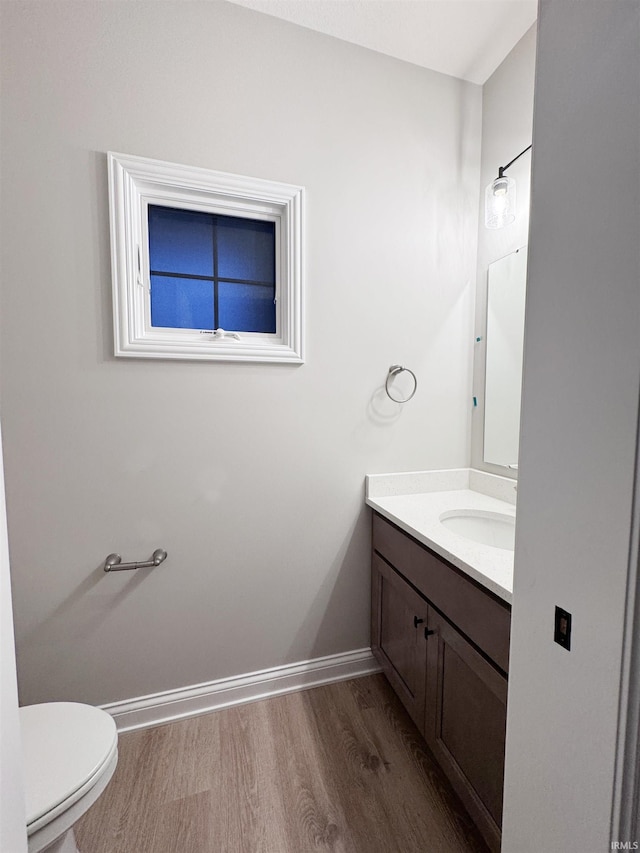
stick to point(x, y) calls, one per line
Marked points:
point(500, 197)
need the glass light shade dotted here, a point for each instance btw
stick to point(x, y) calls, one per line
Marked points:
point(500, 202)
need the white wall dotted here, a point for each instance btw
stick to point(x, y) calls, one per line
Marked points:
point(507, 127)
point(251, 476)
point(13, 821)
point(579, 425)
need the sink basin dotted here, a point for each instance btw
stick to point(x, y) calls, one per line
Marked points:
point(488, 528)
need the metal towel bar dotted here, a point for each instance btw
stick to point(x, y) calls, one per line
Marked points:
point(114, 563)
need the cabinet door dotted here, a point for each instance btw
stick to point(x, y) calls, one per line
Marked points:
point(465, 722)
point(399, 619)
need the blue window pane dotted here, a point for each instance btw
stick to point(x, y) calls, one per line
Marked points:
point(180, 241)
point(246, 307)
point(246, 249)
point(181, 303)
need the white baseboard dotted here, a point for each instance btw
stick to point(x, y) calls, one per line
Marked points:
point(171, 705)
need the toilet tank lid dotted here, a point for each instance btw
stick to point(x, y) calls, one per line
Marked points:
point(64, 745)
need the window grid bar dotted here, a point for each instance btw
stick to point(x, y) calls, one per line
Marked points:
point(214, 230)
point(255, 281)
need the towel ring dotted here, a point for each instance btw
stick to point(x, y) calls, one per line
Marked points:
point(393, 371)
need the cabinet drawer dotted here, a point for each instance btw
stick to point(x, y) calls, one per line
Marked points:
point(477, 613)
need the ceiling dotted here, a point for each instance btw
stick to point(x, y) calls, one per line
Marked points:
point(463, 38)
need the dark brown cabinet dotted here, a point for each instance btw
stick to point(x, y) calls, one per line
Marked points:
point(443, 642)
point(465, 721)
point(401, 619)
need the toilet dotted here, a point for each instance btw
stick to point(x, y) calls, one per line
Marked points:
point(70, 752)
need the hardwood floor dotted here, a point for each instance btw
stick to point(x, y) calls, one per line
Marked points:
point(337, 768)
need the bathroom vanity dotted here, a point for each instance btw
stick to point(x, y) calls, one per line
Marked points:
point(440, 628)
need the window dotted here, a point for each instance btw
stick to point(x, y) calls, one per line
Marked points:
point(206, 265)
point(209, 271)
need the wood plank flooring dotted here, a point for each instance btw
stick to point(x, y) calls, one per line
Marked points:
point(338, 768)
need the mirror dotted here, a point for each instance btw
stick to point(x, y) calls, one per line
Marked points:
point(506, 286)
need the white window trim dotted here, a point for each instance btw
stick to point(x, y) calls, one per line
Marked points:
point(136, 182)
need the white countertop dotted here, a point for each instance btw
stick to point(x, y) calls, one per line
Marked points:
point(414, 502)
